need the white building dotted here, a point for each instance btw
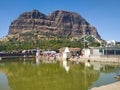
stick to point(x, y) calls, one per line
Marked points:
point(101, 51)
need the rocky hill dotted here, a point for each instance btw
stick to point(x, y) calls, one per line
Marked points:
point(58, 23)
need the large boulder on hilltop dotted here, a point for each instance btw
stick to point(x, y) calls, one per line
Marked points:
point(59, 23)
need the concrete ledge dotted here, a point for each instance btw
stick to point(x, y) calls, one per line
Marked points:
point(113, 86)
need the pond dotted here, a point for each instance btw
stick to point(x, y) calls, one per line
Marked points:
point(29, 75)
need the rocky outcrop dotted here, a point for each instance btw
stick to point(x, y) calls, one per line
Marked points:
point(59, 23)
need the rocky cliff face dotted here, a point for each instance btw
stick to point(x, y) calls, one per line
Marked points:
point(59, 23)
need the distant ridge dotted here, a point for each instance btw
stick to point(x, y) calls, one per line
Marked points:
point(59, 23)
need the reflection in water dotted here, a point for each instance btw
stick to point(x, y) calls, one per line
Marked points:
point(4, 82)
point(37, 60)
point(96, 66)
point(47, 76)
point(104, 79)
point(87, 64)
point(64, 60)
point(107, 73)
point(38, 57)
point(52, 76)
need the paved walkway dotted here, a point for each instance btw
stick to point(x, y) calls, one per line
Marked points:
point(113, 86)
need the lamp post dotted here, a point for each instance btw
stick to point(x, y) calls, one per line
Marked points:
point(84, 42)
point(106, 50)
point(84, 34)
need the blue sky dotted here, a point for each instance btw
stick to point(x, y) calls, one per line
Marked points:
point(102, 14)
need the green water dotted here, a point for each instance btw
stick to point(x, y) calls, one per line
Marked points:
point(27, 75)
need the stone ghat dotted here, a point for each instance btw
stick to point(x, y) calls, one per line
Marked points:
point(98, 59)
